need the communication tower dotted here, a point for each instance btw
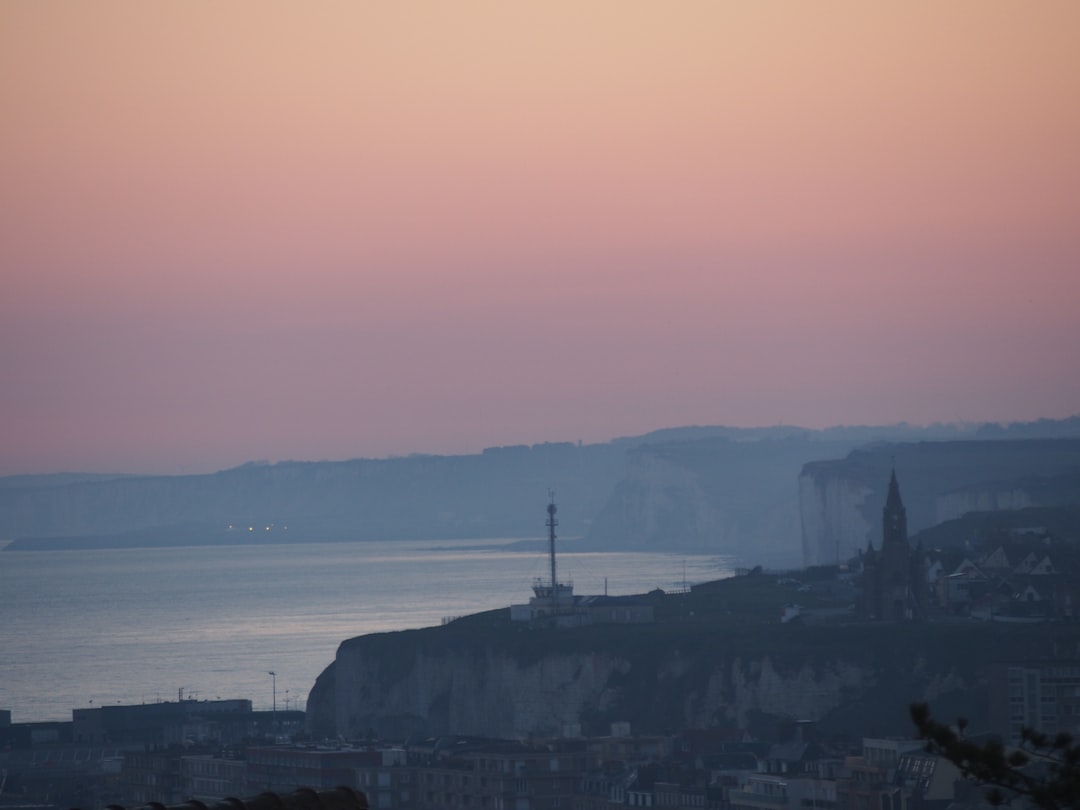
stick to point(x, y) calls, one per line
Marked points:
point(552, 522)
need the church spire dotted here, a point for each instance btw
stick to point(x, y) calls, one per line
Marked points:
point(894, 522)
point(892, 501)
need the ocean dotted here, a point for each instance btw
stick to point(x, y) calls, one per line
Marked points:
point(80, 629)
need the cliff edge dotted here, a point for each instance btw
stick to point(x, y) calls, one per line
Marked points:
point(716, 656)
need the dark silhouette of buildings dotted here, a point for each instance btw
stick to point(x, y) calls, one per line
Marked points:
point(341, 798)
point(892, 576)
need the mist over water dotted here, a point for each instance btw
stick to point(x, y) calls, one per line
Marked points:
point(88, 628)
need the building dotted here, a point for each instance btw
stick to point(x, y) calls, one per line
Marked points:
point(760, 791)
point(564, 609)
point(152, 776)
point(553, 603)
point(289, 767)
point(207, 777)
point(893, 579)
point(167, 723)
point(869, 787)
point(389, 784)
point(1041, 695)
point(500, 774)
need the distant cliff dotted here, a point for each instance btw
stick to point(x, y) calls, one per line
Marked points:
point(739, 492)
point(718, 489)
point(497, 680)
point(497, 493)
point(715, 494)
point(713, 489)
point(841, 500)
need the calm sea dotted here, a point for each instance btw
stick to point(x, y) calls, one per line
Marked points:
point(88, 628)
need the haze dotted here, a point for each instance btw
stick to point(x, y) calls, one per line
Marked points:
point(274, 230)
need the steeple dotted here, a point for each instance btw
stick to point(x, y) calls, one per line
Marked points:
point(893, 500)
point(894, 515)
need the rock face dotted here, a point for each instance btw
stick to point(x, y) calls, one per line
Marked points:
point(515, 682)
point(716, 489)
point(490, 692)
point(836, 519)
point(841, 501)
point(716, 494)
point(494, 693)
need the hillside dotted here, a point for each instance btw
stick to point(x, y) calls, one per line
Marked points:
point(731, 491)
point(492, 494)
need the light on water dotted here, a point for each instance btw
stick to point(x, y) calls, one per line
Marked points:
point(89, 628)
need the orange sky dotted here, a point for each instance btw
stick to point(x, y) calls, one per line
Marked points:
point(236, 230)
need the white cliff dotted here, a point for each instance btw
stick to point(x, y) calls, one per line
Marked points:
point(510, 681)
point(835, 522)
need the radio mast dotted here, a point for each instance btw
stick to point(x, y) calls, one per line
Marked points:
point(551, 524)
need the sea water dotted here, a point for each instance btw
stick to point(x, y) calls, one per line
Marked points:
point(80, 629)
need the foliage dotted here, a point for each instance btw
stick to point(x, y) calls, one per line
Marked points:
point(1045, 770)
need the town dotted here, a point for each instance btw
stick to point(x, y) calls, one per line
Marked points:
point(1015, 588)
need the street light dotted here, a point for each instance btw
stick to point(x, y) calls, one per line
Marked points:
point(273, 715)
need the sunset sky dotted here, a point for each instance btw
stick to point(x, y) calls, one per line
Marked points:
point(285, 230)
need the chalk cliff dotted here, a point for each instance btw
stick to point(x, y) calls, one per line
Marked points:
point(841, 501)
point(717, 494)
point(722, 490)
point(508, 681)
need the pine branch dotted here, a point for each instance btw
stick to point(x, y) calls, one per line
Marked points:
point(1009, 774)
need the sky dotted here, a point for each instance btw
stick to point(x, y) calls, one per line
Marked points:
point(280, 230)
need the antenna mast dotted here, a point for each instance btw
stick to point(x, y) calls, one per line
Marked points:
point(551, 524)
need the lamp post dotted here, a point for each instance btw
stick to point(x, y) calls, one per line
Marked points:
point(273, 714)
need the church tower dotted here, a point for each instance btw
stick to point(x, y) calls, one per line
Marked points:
point(894, 586)
point(889, 585)
point(894, 516)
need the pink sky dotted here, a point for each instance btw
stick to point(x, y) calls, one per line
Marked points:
point(277, 230)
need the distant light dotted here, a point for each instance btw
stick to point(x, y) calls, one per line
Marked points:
point(251, 528)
